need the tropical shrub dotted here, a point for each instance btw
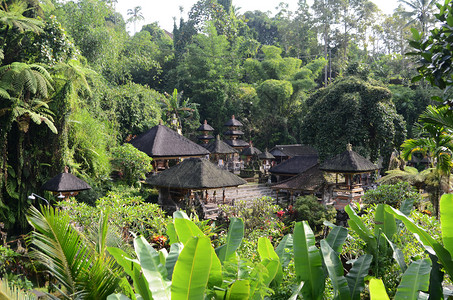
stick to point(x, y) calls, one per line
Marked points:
point(309, 209)
point(392, 194)
point(128, 213)
point(131, 163)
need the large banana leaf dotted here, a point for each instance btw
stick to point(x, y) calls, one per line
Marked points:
point(336, 237)
point(239, 290)
point(132, 268)
point(446, 221)
point(233, 240)
point(360, 228)
point(414, 280)
point(431, 245)
point(377, 290)
point(68, 256)
point(284, 250)
point(384, 222)
point(435, 279)
point(269, 259)
point(357, 274)
point(191, 273)
point(308, 262)
point(335, 270)
point(175, 250)
point(398, 255)
point(186, 229)
point(154, 272)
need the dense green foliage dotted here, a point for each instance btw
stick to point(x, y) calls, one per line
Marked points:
point(392, 194)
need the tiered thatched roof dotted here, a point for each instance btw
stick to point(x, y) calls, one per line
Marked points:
point(233, 122)
point(205, 127)
point(195, 174)
point(220, 147)
point(348, 162)
point(160, 141)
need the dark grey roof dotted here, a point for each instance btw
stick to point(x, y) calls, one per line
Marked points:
point(310, 180)
point(293, 150)
point(236, 143)
point(233, 132)
point(161, 141)
point(205, 127)
point(266, 155)
point(205, 137)
point(195, 174)
point(348, 162)
point(220, 147)
point(295, 165)
point(233, 122)
point(65, 182)
point(250, 151)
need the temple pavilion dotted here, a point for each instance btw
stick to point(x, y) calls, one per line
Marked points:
point(164, 144)
point(65, 184)
point(206, 131)
point(348, 163)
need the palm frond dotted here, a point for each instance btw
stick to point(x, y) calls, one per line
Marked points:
point(13, 293)
point(69, 257)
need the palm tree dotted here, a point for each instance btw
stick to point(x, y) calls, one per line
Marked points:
point(421, 12)
point(437, 143)
point(81, 267)
point(135, 15)
point(177, 110)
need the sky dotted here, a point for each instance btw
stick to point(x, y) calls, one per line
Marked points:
point(163, 11)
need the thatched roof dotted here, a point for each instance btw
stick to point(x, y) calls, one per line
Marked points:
point(348, 162)
point(311, 180)
point(265, 155)
point(161, 141)
point(293, 150)
point(233, 132)
point(65, 182)
point(295, 165)
point(220, 147)
point(195, 174)
point(236, 143)
point(205, 127)
point(250, 151)
point(205, 137)
point(232, 122)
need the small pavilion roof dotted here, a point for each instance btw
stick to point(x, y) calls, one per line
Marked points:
point(265, 155)
point(65, 182)
point(295, 165)
point(205, 127)
point(310, 180)
point(161, 141)
point(220, 147)
point(348, 162)
point(236, 143)
point(205, 137)
point(293, 150)
point(233, 122)
point(195, 174)
point(250, 151)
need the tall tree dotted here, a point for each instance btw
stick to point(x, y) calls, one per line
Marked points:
point(135, 15)
point(421, 12)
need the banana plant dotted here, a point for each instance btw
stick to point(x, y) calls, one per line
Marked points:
point(193, 269)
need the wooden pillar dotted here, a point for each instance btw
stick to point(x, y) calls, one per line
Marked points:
point(223, 196)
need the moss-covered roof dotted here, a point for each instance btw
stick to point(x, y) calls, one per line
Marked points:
point(161, 141)
point(195, 174)
point(348, 162)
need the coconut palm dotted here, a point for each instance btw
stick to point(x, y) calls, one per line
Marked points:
point(135, 15)
point(421, 12)
point(81, 267)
